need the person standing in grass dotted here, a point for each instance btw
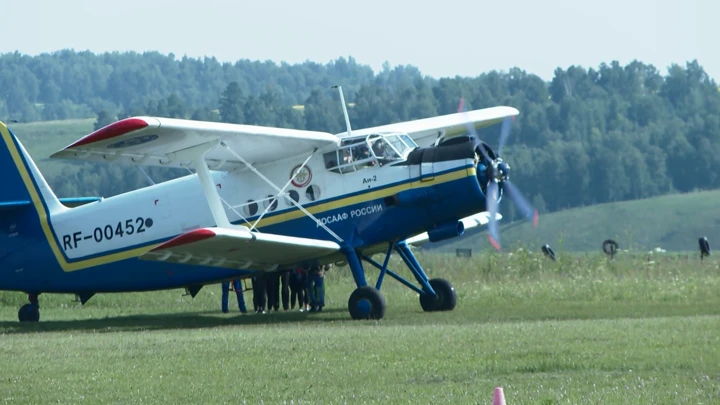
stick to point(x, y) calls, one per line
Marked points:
point(259, 293)
point(237, 287)
point(316, 288)
point(272, 281)
point(297, 290)
point(284, 289)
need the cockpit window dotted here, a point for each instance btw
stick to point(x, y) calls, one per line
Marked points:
point(369, 151)
point(408, 141)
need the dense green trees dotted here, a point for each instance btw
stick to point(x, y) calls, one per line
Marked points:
point(588, 136)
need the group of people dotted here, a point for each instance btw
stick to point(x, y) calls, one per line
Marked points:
point(302, 286)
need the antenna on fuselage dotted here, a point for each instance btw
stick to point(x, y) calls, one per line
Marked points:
point(342, 100)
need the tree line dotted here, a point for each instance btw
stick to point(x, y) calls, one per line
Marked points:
point(590, 135)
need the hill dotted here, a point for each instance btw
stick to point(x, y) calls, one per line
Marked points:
point(671, 222)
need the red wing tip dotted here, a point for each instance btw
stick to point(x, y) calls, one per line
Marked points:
point(535, 218)
point(460, 106)
point(187, 238)
point(113, 130)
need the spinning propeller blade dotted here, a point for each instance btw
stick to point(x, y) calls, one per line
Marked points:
point(504, 133)
point(470, 128)
point(499, 177)
point(492, 207)
point(525, 207)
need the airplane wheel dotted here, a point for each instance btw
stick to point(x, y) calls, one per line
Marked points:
point(366, 303)
point(29, 313)
point(446, 297)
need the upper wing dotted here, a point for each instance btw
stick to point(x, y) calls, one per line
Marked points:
point(240, 249)
point(425, 131)
point(469, 222)
point(152, 141)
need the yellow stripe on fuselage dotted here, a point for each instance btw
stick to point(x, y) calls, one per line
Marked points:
point(368, 196)
point(135, 252)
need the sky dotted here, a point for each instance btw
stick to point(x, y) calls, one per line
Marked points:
point(442, 38)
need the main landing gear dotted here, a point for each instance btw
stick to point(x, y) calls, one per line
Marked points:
point(30, 312)
point(367, 302)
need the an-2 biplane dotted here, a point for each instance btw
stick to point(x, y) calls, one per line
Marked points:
point(261, 200)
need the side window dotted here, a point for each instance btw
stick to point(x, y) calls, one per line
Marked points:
point(294, 195)
point(330, 159)
point(312, 193)
point(273, 202)
point(250, 208)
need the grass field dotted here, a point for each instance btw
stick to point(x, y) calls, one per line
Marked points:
point(582, 330)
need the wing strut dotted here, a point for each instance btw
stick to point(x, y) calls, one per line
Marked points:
point(231, 207)
point(281, 191)
point(197, 155)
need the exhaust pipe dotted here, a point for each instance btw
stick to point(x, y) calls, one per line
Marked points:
point(446, 231)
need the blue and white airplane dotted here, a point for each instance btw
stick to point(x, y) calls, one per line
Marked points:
point(260, 200)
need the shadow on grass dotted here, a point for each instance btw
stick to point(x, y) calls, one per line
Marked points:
point(405, 316)
point(184, 320)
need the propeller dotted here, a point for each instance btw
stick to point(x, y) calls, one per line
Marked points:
point(499, 181)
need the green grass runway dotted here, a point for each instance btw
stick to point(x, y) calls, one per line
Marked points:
point(581, 331)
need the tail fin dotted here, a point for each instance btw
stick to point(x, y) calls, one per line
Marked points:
point(22, 182)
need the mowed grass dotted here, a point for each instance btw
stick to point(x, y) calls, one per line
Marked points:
point(583, 330)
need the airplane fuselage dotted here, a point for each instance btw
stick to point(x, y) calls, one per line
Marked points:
point(95, 247)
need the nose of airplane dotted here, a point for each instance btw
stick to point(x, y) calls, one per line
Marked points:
point(503, 170)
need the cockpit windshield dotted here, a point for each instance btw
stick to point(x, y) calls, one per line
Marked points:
point(368, 151)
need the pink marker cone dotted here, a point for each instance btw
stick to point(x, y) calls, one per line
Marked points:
point(499, 396)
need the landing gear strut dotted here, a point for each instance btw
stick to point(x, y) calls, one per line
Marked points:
point(30, 312)
point(367, 302)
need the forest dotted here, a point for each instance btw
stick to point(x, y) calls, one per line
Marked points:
point(590, 135)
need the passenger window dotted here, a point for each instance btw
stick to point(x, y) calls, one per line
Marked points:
point(250, 208)
point(272, 202)
point(294, 195)
point(312, 193)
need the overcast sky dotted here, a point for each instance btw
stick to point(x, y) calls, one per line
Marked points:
point(442, 38)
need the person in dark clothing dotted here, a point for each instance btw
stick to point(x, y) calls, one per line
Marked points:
point(315, 288)
point(297, 290)
point(237, 287)
point(272, 281)
point(259, 293)
point(285, 289)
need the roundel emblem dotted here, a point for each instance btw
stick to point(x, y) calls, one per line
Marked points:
point(133, 141)
point(303, 176)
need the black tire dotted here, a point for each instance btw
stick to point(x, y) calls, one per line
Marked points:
point(446, 297)
point(366, 303)
point(610, 247)
point(29, 313)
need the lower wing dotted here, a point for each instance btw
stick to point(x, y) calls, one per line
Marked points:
point(240, 249)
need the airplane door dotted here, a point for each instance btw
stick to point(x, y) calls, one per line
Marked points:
point(427, 165)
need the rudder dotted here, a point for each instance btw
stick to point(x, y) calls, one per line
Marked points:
point(23, 184)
